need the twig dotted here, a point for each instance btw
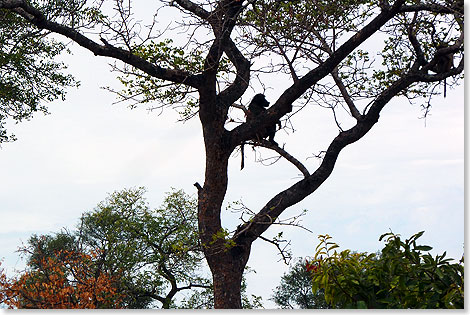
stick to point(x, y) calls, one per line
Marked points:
point(286, 257)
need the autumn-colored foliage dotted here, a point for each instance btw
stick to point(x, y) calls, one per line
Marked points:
point(69, 280)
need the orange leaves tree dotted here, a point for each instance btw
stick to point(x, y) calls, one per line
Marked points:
point(70, 279)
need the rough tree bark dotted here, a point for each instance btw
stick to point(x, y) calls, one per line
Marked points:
point(227, 256)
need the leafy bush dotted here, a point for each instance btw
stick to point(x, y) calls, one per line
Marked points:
point(402, 275)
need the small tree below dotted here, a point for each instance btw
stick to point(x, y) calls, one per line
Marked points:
point(76, 280)
point(295, 289)
point(122, 255)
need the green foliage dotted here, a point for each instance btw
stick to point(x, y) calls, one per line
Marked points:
point(224, 235)
point(148, 88)
point(41, 247)
point(302, 33)
point(321, 14)
point(154, 252)
point(155, 249)
point(73, 13)
point(397, 56)
point(144, 88)
point(401, 276)
point(295, 290)
point(299, 28)
point(165, 55)
point(29, 75)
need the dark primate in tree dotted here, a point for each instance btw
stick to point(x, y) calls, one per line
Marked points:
point(444, 52)
point(258, 105)
point(444, 62)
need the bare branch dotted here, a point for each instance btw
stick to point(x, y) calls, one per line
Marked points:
point(266, 144)
point(242, 79)
point(23, 8)
point(284, 104)
point(308, 185)
point(347, 98)
point(194, 8)
point(286, 256)
point(456, 8)
point(414, 42)
point(243, 108)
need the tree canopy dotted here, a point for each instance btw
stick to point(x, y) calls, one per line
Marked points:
point(29, 73)
point(139, 257)
point(219, 52)
point(295, 289)
point(66, 280)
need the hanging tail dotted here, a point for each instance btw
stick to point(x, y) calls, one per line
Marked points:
point(242, 150)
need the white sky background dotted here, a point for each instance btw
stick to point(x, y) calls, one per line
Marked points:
point(404, 175)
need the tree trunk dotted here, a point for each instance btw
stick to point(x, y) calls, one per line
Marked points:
point(226, 259)
point(227, 271)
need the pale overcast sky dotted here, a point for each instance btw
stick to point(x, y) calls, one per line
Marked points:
point(406, 175)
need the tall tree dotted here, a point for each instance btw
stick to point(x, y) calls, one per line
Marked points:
point(157, 250)
point(314, 46)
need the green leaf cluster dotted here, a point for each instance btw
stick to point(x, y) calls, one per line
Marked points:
point(303, 16)
point(166, 55)
point(305, 33)
point(398, 55)
point(152, 250)
point(155, 249)
point(29, 74)
point(73, 13)
point(301, 27)
point(143, 88)
point(224, 236)
point(404, 275)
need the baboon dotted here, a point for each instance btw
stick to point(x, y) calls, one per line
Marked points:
point(257, 106)
point(443, 63)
